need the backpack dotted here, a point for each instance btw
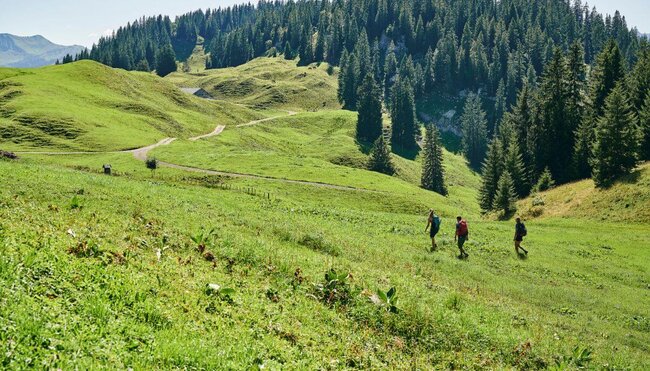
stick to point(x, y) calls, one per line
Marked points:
point(436, 223)
point(524, 231)
point(462, 229)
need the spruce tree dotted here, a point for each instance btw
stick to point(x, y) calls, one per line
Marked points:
point(474, 131)
point(506, 197)
point(644, 124)
point(380, 160)
point(492, 169)
point(433, 173)
point(306, 52)
point(515, 166)
point(348, 81)
point(556, 134)
point(545, 181)
point(369, 117)
point(616, 146)
point(582, 149)
point(166, 61)
point(288, 52)
point(404, 125)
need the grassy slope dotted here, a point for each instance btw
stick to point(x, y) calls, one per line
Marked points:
point(119, 306)
point(87, 106)
point(319, 147)
point(627, 200)
point(267, 83)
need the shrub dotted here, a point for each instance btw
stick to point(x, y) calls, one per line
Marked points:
point(152, 164)
point(388, 299)
point(545, 182)
point(335, 290)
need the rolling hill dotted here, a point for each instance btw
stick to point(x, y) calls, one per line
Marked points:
point(88, 106)
point(178, 269)
point(268, 83)
point(628, 200)
point(32, 51)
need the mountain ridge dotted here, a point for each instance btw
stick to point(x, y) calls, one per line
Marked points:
point(32, 51)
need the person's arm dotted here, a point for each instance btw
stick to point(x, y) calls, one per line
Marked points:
point(456, 234)
point(428, 225)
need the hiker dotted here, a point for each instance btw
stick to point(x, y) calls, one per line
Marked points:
point(433, 222)
point(462, 235)
point(520, 233)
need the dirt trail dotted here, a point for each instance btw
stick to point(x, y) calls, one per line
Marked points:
point(142, 154)
point(216, 132)
point(289, 113)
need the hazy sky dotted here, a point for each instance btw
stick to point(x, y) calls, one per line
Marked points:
point(84, 21)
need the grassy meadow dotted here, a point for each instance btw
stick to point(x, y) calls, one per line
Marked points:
point(267, 83)
point(86, 106)
point(182, 270)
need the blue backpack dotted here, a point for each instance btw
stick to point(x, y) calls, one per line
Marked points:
point(436, 223)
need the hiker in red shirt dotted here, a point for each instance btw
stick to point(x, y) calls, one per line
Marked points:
point(462, 235)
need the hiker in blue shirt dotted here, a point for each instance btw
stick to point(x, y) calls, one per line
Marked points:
point(433, 222)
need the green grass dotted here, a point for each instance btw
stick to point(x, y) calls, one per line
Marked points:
point(319, 147)
point(87, 106)
point(627, 200)
point(265, 83)
point(99, 296)
point(81, 284)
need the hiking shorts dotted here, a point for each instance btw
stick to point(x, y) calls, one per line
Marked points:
point(461, 241)
point(519, 238)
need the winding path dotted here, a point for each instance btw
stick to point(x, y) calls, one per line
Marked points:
point(142, 154)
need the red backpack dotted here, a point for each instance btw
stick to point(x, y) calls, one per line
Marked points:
point(462, 229)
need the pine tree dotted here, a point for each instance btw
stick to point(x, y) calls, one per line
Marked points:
point(515, 166)
point(506, 197)
point(404, 126)
point(166, 61)
point(380, 160)
point(582, 149)
point(644, 124)
point(491, 171)
point(369, 116)
point(306, 52)
point(143, 66)
point(545, 181)
point(499, 104)
point(474, 131)
point(555, 133)
point(433, 173)
point(347, 92)
point(616, 146)
point(288, 52)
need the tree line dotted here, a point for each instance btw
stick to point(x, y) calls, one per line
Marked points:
point(575, 122)
point(465, 43)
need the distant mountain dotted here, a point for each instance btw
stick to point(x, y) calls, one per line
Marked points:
point(31, 51)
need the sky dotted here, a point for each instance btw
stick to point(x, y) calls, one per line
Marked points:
point(83, 22)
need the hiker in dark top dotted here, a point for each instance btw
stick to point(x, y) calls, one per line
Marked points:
point(520, 233)
point(462, 235)
point(433, 222)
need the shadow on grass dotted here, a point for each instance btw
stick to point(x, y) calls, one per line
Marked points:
point(506, 215)
point(409, 154)
point(522, 256)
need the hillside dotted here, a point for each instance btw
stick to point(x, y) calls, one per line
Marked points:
point(267, 83)
point(32, 51)
point(628, 200)
point(113, 259)
point(265, 244)
point(88, 106)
